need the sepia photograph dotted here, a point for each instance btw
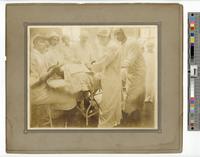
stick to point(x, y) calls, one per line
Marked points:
point(92, 77)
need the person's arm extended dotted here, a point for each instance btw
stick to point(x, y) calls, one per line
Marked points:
point(107, 59)
point(38, 81)
point(45, 76)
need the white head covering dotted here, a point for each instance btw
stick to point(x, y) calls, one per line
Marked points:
point(36, 38)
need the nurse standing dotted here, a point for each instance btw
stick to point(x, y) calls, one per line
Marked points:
point(109, 65)
point(133, 77)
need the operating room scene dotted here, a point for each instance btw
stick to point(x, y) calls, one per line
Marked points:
point(92, 77)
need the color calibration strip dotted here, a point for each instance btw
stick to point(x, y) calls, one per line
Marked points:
point(193, 75)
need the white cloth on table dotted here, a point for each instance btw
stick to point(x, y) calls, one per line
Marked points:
point(77, 78)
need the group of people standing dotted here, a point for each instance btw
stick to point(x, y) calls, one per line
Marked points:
point(116, 61)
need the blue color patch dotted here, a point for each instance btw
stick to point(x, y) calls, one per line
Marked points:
point(192, 18)
point(192, 34)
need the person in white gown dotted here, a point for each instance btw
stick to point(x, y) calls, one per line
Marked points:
point(109, 65)
point(133, 72)
point(57, 51)
point(84, 52)
point(40, 72)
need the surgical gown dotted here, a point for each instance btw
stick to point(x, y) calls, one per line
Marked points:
point(42, 94)
point(136, 72)
point(110, 107)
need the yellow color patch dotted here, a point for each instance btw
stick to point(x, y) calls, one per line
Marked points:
point(192, 39)
point(192, 25)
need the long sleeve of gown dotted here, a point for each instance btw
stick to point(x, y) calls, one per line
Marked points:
point(107, 59)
